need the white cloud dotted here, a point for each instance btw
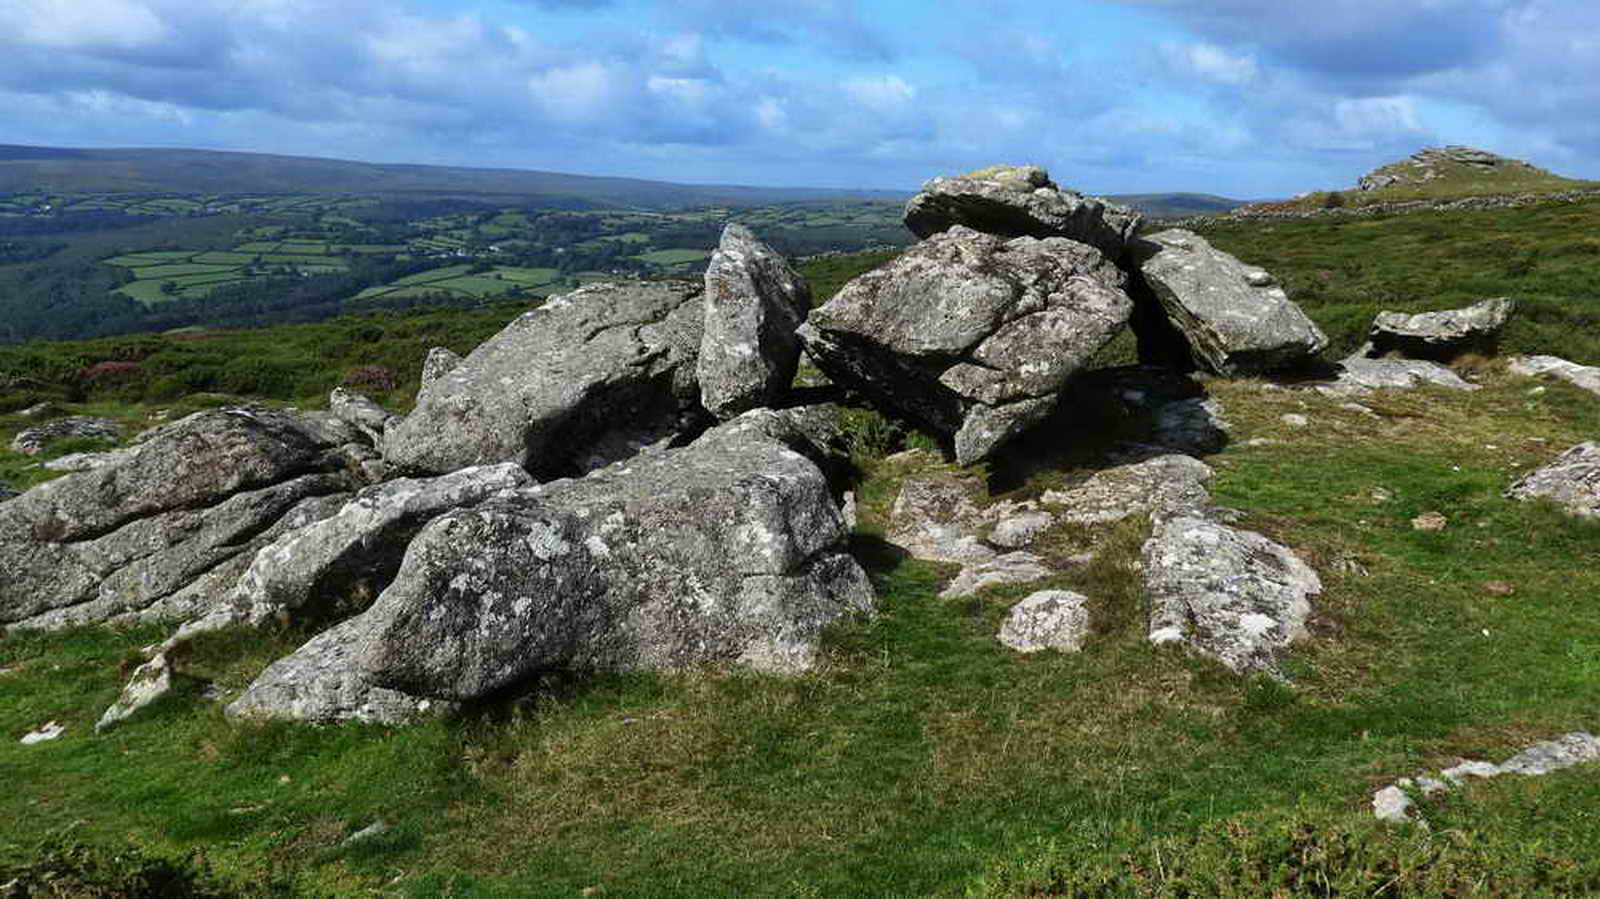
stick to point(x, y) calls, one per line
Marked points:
point(889, 93)
point(1210, 62)
point(80, 24)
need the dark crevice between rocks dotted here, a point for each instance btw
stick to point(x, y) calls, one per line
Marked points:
point(1094, 423)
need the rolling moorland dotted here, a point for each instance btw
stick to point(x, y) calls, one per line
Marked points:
point(921, 757)
point(96, 242)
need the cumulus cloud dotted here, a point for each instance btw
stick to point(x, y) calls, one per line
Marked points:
point(836, 27)
point(1208, 62)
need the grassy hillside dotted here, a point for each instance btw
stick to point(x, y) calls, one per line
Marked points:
point(921, 757)
point(1437, 175)
point(1343, 271)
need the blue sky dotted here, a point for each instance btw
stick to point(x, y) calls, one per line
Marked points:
point(1246, 98)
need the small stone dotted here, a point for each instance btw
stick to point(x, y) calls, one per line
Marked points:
point(50, 730)
point(1048, 619)
point(1391, 804)
point(1429, 521)
point(1470, 769)
point(1295, 420)
point(1499, 588)
point(1382, 494)
point(149, 682)
point(366, 833)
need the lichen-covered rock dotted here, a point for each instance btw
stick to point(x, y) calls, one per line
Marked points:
point(1572, 481)
point(32, 441)
point(359, 411)
point(583, 380)
point(1230, 594)
point(1358, 375)
point(1586, 377)
point(1012, 568)
point(191, 496)
point(1019, 201)
point(1160, 487)
point(1231, 318)
point(355, 551)
point(936, 517)
point(754, 301)
point(728, 550)
point(439, 362)
point(1048, 619)
point(1441, 335)
point(1021, 528)
point(973, 335)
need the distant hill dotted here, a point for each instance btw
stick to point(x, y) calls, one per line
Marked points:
point(24, 169)
point(1437, 175)
point(1176, 205)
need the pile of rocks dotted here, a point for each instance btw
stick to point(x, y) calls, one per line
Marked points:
point(613, 481)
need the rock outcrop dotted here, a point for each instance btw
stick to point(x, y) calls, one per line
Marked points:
point(754, 301)
point(1394, 803)
point(1226, 317)
point(191, 498)
point(1572, 481)
point(729, 550)
point(1019, 201)
point(32, 441)
point(1586, 377)
point(1441, 335)
point(1359, 375)
point(1433, 163)
point(1161, 487)
point(1229, 594)
point(352, 553)
point(584, 380)
point(937, 518)
point(971, 334)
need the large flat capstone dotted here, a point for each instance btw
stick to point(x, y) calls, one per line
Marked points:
point(972, 334)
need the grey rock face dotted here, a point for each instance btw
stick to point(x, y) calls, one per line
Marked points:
point(1019, 201)
point(33, 440)
point(1230, 594)
point(191, 496)
point(357, 550)
point(360, 412)
point(1586, 377)
point(728, 550)
point(439, 362)
point(1359, 375)
point(1572, 481)
point(936, 517)
point(167, 565)
point(86, 461)
point(1160, 487)
point(970, 334)
point(322, 682)
point(1048, 619)
point(1440, 335)
point(754, 301)
point(1231, 317)
point(583, 380)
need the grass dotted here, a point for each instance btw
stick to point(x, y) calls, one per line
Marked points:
point(922, 757)
point(1342, 272)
